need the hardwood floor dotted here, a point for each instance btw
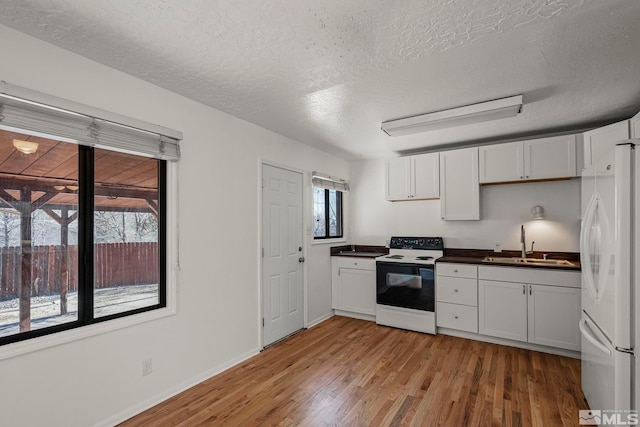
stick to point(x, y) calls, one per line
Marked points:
point(348, 372)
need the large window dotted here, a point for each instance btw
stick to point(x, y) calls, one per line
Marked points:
point(328, 206)
point(62, 204)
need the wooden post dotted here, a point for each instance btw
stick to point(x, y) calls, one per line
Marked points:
point(64, 258)
point(25, 278)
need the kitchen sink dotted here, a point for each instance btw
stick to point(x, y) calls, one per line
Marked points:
point(529, 261)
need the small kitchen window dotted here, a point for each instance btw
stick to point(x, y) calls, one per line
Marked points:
point(328, 206)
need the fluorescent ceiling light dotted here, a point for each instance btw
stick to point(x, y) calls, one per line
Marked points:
point(461, 116)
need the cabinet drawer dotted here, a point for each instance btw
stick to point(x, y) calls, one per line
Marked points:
point(457, 290)
point(457, 270)
point(538, 276)
point(358, 263)
point(456, 316)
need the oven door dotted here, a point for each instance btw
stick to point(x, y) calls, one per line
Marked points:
point(405, 285)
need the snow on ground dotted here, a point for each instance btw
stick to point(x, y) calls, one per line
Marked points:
point(45, 310)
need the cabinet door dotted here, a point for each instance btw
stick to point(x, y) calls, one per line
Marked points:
point(398, 178)
point(502, 309)
point(501, 162)
point(459, 187)
point(635, 126)
point(554, 313)
point(426, 176)
point(553, 157)
point(598, 142)
point(357, 291)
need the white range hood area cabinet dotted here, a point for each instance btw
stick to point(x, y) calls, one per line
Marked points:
point(459, 187)
point(413, 177)
point(536, 159)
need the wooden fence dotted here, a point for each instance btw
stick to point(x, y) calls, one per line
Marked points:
point(116, 264)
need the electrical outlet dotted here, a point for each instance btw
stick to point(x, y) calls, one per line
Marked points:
point(498, 247)
point(147, 366)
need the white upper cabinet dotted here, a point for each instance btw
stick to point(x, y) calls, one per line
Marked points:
point(398, 178)
point(598, 142)
point(635, 126)
point(502, 162)
point(413, 177)
point(459, 187)
point(547, 158)
point(426, 176)
point(542, 158)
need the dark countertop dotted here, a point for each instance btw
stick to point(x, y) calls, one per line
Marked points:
point(476, 256)
point(359, 251)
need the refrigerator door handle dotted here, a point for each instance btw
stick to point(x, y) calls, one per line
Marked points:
point(585, 254)
point(584, 329)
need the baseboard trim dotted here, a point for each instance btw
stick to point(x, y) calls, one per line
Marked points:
point(510, 343)
point(153, 401)
point(320, 320)
point(370, 317)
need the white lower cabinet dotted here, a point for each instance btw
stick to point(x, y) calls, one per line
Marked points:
point(502, 308)
point(354, 285)
point(457, 297)
point(545, 313)
point(554, 312)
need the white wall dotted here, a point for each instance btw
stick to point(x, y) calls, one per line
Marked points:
point(98, 379)
point(503, 209)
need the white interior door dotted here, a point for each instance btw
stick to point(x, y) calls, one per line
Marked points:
point(282, 278)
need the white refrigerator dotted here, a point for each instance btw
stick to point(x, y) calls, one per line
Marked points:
point(609, 239)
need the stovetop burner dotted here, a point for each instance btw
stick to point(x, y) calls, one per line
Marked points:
point(414, 250)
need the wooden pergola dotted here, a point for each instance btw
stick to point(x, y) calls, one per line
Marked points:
point(48, 180)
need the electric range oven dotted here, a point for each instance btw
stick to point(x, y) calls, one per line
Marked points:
point(405, 283)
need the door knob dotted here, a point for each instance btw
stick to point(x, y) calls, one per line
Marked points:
point(301, 259)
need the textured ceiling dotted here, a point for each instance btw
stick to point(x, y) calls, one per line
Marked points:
point(328, 73)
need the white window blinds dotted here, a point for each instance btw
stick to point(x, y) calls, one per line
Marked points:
point(25, 110)
point(329, 182)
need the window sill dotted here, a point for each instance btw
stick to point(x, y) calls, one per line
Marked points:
point(329, 241)
point(22, 347)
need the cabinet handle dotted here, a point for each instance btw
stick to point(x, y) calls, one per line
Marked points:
point(530, 290)
point(527, 176)
point(524, 292)
point(521, 177)
point(455, 317)
point(455, 271)
point(355, 263)
point(455, 290)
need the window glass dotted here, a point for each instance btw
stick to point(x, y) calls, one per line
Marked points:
point(327, 213)
point(49, 223)
point(334, 213)
point(319, 213)
point(38, 233)
point(126, 268)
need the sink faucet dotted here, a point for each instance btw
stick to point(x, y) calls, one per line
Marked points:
point(522, 240)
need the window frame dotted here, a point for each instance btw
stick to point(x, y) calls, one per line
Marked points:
point(86, 324)
point(339, 215)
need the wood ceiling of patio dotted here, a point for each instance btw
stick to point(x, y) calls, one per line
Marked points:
point(122, 182)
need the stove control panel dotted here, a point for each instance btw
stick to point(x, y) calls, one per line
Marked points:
point(425, 243)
